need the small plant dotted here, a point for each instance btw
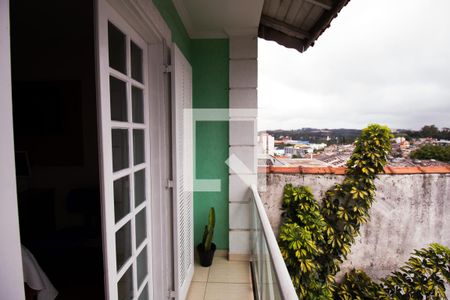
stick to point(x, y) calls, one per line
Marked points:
point(209, 230)
point(207, 248)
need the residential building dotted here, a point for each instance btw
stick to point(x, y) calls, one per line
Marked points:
point(266, 143)
point(318, 146)
point(289, 151)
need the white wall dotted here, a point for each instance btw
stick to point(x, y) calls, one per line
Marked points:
point(410, 212)
point(11, 277)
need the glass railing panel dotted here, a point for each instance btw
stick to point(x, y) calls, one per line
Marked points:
point(271, 277)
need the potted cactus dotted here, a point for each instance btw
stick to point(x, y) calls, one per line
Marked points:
point(206, 248)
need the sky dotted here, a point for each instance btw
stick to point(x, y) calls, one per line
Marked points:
point(382, 61)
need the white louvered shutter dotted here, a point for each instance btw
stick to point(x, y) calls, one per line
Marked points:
point(182, 172)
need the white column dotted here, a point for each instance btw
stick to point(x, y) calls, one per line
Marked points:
point(243, 132)
point(11, 275)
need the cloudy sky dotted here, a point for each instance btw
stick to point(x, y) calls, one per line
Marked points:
point(381, 61)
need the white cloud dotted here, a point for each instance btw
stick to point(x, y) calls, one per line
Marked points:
point(380, 61)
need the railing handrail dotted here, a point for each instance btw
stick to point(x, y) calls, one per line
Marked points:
point(281, 272)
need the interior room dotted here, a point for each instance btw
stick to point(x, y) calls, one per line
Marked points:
point(55, 132)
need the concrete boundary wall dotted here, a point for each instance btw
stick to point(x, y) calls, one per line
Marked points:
point(410, 212)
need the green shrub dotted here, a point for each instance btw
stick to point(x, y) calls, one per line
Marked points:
point(301, 241)
point(441, 153)
point(314, 240)
point(357, 285)
point(423, 276)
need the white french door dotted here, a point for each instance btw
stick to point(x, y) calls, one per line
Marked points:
point(124, 156)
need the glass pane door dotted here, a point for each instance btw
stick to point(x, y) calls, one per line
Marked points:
point(124, 156)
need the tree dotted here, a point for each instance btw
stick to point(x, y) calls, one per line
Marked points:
point(429, 131)
point(441, 153)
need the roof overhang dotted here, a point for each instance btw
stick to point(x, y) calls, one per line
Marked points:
point(218, 18)
point(297, 23)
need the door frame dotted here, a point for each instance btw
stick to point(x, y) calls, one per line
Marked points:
point(11, 273)
point(144, 18)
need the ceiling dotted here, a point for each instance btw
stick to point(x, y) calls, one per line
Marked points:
point(220, 18)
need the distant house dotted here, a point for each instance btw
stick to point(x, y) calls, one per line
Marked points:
point(266, 143)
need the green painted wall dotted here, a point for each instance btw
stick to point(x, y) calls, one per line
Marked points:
point(211, 90)
point(209, 61)
point(173, 20)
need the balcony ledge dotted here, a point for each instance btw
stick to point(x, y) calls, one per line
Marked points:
point(342, 170)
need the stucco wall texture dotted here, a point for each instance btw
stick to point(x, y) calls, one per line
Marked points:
point(410, 212)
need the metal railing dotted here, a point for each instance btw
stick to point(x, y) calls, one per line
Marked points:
point(270, 275)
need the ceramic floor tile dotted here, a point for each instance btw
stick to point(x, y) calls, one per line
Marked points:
point(229, 271)
point(229, 291)
point(220, 260)
point(197, 291)
point(200, 273)
point(224, 280)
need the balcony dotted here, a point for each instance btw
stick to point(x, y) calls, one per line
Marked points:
point(266, 277)
point(270, 278)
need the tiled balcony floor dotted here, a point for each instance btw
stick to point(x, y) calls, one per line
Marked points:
point(224, 280)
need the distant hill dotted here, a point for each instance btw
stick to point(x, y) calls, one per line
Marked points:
point(348, 136)
point(314, 135)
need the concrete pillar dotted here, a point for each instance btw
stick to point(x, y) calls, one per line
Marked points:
point(243, 132)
